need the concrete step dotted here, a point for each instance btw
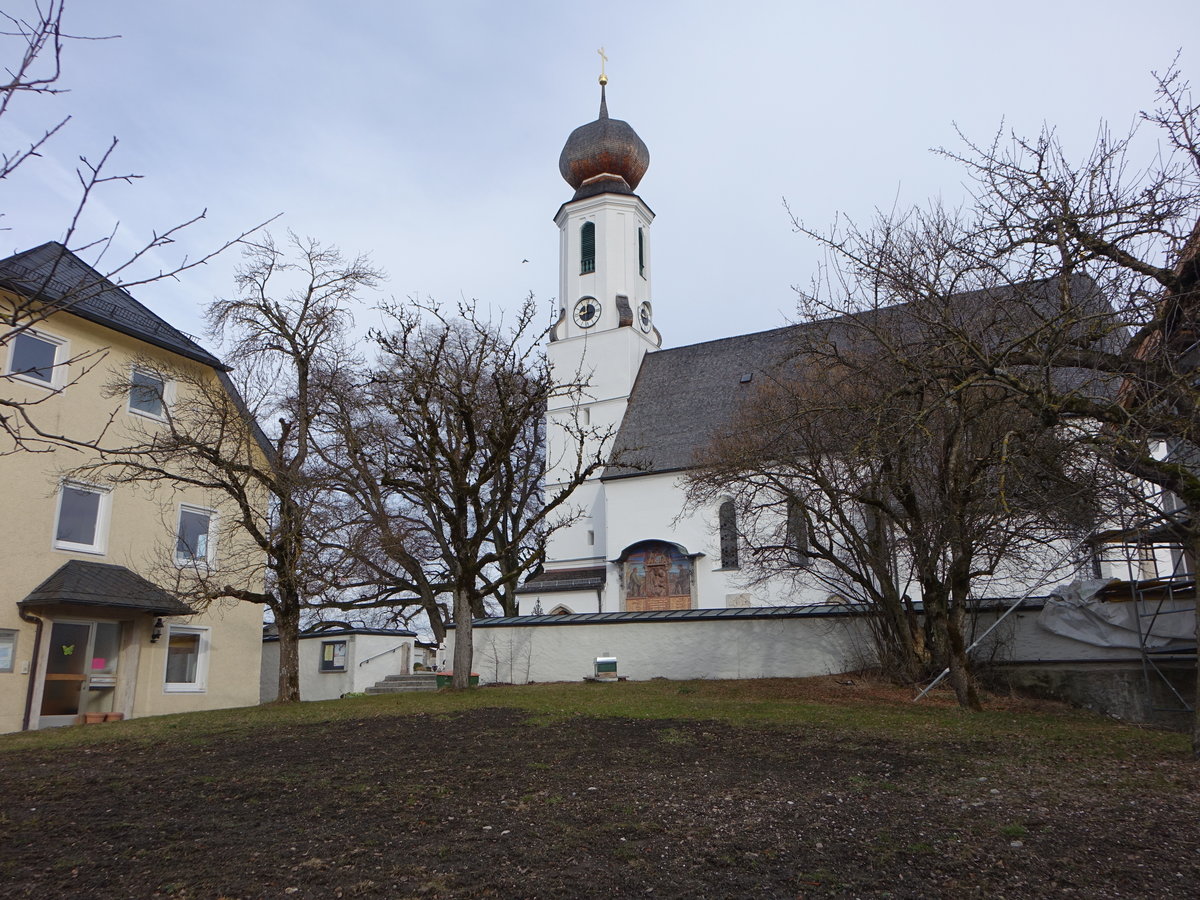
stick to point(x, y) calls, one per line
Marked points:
point(395, 684)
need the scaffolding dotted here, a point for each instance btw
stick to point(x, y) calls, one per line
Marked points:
point(1160, 582)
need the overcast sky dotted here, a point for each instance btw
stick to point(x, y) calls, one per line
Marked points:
point(427, 134)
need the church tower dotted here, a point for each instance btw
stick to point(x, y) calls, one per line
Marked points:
point(606, 317)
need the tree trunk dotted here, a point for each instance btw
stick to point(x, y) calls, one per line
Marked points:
point(1196, 696)
point(947, 629)
point(287, 620)
point(961, 678)
point(464, 651)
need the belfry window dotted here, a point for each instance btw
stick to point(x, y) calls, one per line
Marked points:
point(727, 523)
point(642, 252)
point(587, 248)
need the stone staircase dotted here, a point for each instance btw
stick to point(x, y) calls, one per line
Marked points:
point(394, 684)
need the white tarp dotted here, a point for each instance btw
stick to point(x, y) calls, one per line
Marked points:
point(1073, 611)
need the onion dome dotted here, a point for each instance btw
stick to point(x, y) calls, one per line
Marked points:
point(604, 156)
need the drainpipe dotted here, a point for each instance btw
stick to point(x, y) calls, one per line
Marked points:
point(37, 646)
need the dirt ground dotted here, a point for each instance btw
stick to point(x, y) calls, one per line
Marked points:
point(490, 803)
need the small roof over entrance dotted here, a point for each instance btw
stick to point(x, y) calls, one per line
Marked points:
point(101, 584)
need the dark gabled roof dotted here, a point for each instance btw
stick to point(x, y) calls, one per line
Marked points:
point(685, 397)
point(565, 580)
point(54, 275)
point(103, 584)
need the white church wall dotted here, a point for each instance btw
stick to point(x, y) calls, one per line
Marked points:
point(653, 507)
point(769, 647)
point(753, 648)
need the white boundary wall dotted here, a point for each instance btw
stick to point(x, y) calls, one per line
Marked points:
point(739, 648)
point(768, 647)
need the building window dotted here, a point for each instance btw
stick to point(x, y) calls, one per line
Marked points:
point(8, 649)
point(560, 610)
point(147, 394)
point(193, 545)
point(333, 656)
point(797, 536)
point(187, 659)
point(642, 252)
point(82, 518)
point(35, 357)
point(587, 248)
point(727, 523)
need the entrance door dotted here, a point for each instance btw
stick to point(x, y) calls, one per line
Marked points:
point(81, 671)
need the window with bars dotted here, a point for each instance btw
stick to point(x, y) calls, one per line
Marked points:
point(727, 523)
point(797, 535)
point(587, 248)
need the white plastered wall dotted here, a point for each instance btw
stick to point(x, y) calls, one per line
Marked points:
point(369, 658)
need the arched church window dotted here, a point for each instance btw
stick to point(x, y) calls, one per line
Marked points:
point(727, 523)
point(587, 248)
point(642, 252)
point(657, 576)
point(797, 535)
point(560, 610)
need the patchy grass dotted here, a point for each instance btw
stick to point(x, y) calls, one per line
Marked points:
point(865, 709)
point(775, 788)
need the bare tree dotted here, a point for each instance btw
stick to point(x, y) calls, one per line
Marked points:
point(1099, 261)
point(34, 294)
point(859, 467)
point(285, 334)
point(443, 462)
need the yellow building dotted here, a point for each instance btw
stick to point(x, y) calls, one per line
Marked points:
point(85, 631)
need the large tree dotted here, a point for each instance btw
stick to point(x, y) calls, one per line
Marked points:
point(1054, 232)
point(438, 448)
point(859, 466)
point(285, 334)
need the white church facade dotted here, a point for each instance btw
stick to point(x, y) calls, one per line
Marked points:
point(648, 576)
point(636, 545)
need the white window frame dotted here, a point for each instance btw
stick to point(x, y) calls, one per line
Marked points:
point(168, 394)
point(8, 639)
point(200, 685)
point(210, 551)
point(58, 367)
point(99, 547)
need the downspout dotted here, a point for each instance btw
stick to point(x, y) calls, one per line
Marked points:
point(37, 646)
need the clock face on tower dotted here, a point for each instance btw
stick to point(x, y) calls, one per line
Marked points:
point(587, 312)
point(645, 317)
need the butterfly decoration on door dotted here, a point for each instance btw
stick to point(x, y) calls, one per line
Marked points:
point(68, 649)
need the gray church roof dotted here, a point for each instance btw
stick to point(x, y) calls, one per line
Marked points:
point(684, 397)
point(103, 584)
point(54, 275)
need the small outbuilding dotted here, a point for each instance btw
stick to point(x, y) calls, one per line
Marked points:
point(339, 661)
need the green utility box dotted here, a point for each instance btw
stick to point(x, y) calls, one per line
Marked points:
point(606, 668)
point(445, 679)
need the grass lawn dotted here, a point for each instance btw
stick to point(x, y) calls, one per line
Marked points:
point(772, 788)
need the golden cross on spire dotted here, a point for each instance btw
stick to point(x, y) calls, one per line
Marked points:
point(603, 60)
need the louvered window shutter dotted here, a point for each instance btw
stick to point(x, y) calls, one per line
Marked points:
point(587, 248)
